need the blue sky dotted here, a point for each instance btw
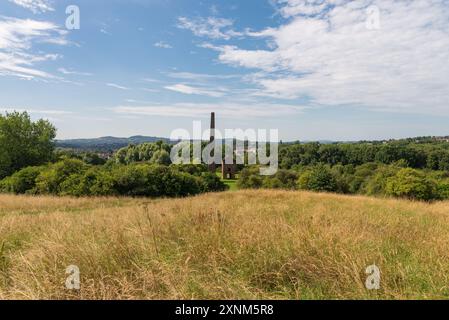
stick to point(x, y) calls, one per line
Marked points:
point(314, 69)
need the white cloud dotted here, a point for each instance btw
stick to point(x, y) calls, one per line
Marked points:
point(17, 37)
point(151, 80)
point(150, 90)
point(186, 89)
point(211, 27)
point(291, 8)
point(201, 110)
point(163, 45)
point(214, 9)
point(71, 72)
point(116, 86)
point(325, 52)
point(36, 6)
point(201, 76)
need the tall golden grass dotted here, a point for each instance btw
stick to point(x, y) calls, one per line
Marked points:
point(239, 245)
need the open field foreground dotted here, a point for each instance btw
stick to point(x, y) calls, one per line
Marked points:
point(239, 245)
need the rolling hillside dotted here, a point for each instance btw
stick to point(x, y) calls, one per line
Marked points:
point(239, 245)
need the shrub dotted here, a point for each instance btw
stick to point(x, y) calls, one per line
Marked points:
point(161, 157)
point(443, 189)
point(283, 179)
point(250, 178)
point(193, 169)
point(154, 181)
point(94, 182)
point(135, 180)
point(377, 184)
point(179, 184)
point(361, 176)
point(50, 180)
point(320, 179)
point(23, 181)
point(411, 184)
point(210, 182)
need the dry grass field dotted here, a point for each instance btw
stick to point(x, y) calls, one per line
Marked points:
point(237, 245)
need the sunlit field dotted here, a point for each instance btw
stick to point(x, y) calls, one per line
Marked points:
point(234, 245)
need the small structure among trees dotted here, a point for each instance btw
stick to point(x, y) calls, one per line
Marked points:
point(228, 169)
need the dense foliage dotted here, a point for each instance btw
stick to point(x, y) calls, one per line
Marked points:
point(73, 177)
point(412, 168)
point(24, 142)
point(157, 153)
point(417, 154)
point(369, 179)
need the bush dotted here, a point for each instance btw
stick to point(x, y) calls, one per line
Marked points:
point(362, 175)
point(23, 181)
point(250, 178)
point(319, 179)
point(210, 182)
point(161, 157)
point(136, 180)
point(411, 184)
point(283, 179)
point(94, 182)
point(193, 169)
point(154, 181)
point(50, 180)
point(443, 189)
point(377, 184)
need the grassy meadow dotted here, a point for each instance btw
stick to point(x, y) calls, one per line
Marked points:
point(233, 245)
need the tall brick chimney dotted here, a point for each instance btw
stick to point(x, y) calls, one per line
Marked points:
point(213, 166)
point(212, 127)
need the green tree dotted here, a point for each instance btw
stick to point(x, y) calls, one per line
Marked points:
point(23, 181)
point(411, 184)
point(23, 142)
point(210, 182)
point(53, 179)
point(161, 157)
point(250, 178)
point(320, 179)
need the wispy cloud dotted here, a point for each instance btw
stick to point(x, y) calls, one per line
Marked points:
point(163, 45)
point(71, 72)
point(186, 89)
point(36, 6)
point(151, 80)
point(201, 76)
point(203, 110)
point(116, 86)
point(214, 10)
point(211, 27)
point(17, 37)
point(150, 90)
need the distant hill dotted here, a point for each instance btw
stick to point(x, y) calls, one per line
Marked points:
point(105, 143)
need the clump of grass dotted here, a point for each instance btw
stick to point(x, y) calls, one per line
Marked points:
point(239, 245)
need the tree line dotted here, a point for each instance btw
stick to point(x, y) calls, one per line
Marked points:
point(30, 165)
point(412, 168)
point(416, 154)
